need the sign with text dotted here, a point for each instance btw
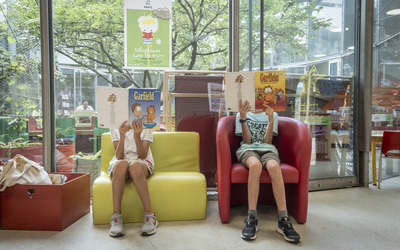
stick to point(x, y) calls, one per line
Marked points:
point(148, 34)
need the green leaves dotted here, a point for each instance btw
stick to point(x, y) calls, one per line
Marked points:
point(11, 40)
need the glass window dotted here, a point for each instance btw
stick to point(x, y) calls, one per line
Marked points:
point(20, 84)
point(386, 76)
point(313, 41)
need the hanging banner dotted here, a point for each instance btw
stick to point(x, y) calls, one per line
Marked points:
point(148, 34)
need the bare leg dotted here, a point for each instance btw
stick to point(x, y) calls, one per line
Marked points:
point(138, 172)
point(120, 175)
point(278, 186)
point(253, 183)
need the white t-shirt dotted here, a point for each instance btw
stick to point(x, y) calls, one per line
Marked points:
point(80, 108)
point(130, 149)
point(257, 126)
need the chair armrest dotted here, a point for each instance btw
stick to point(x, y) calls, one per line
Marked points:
point(294, 145)
point(224, 158)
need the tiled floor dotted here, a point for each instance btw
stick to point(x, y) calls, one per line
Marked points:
point(351, 218)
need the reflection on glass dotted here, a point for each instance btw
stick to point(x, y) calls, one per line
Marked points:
point(386, 76)
point(20, 84)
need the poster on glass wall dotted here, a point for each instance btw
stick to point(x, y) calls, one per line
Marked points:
point(148, 34)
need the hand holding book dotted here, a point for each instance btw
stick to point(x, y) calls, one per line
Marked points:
point(137, 127)
point(269, 111)
point(124, 128)
point(243, 109)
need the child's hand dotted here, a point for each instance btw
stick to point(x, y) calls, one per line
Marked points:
point(137, 127)
point(269, 111)
point(123, 129)
point(243, 109)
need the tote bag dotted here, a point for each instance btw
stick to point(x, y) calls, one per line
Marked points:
point(21, 170)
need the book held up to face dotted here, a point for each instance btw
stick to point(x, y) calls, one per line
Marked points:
point(258, 88)
point(116, 105)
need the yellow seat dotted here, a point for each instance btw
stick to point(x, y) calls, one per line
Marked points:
point(178, 191)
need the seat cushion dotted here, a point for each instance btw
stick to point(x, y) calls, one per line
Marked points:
point(173, 195)
point(240, 174)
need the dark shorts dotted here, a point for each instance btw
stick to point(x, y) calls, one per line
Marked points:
point(262, 156)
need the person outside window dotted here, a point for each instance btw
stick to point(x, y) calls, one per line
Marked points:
point(85, 106)
point(257, 153)
point(133, 161)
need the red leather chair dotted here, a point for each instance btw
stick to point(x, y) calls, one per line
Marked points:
point(205, 125)
point(294, 147)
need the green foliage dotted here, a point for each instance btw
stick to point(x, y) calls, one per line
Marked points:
point(84, 156)
point(61, 132)
point(17, 143)
point(200, 34)
point(91, 33)
point(286, 24)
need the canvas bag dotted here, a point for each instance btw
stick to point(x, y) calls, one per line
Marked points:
point(21, 170)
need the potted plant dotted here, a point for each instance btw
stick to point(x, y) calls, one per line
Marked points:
point(88, 163)
point(31, 150)
point(65, 147)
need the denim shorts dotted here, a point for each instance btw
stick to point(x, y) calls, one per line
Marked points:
point(262, 156)
point(148, 164)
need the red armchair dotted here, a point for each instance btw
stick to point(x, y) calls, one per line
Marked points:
point(294, 147)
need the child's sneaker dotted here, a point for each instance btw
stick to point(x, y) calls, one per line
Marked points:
point(150, 224)
point(116, 226)
point(286, 229)
point(250, 228)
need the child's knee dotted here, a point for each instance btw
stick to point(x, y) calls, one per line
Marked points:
point(255, 168)
point(120, 168)
point(273, 168)
point(135, 169)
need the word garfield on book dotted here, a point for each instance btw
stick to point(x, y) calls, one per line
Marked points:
point(260, 87)
point(116, 105)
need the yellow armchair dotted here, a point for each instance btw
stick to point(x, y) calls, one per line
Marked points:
point(178, 191)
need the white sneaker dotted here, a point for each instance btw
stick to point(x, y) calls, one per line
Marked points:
point(116, 226)
point(150, 224)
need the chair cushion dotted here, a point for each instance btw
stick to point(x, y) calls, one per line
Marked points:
point(173, 195)
point(240, 174)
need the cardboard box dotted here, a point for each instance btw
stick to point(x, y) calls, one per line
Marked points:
point(49, 208)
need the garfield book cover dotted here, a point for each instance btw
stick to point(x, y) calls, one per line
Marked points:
point(270, 90)
point(144, 105)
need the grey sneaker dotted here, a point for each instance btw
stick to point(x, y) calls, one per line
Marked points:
point(116, 226)
point(150, 224)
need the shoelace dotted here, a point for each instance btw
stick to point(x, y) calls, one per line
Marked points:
point(147, 218)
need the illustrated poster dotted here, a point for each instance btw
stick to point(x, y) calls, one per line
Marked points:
point(148, 34)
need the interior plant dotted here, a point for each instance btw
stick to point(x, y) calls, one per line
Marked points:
point(19, 142)
point(65, 147)
point(88, 163)
point(31, 150)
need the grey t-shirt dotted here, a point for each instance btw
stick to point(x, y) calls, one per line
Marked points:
point(257, 126)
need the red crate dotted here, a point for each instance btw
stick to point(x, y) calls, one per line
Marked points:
point(51, 207)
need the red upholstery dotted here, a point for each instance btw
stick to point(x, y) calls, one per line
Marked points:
point(205, 125)
point(390, 141)
point(294, 147)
